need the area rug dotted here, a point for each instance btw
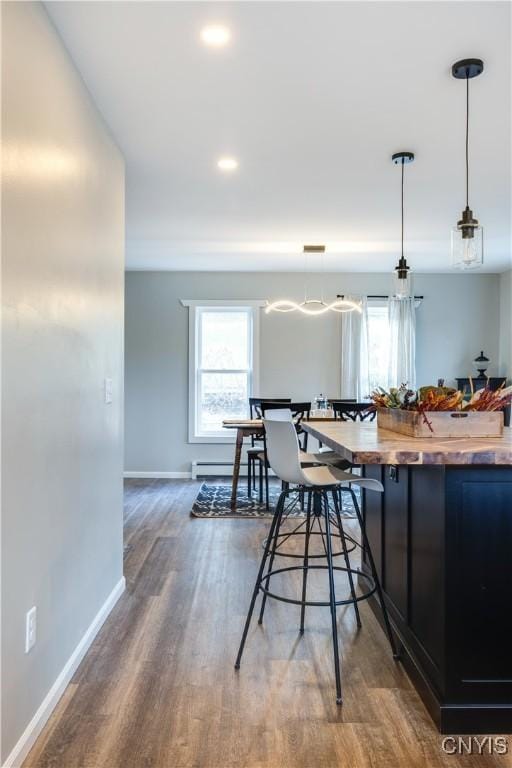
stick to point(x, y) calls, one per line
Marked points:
point(214, 500)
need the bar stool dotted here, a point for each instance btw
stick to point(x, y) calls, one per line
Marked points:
point(306, 459)
point(317, 482)
point(284, 413)
point(295, 412)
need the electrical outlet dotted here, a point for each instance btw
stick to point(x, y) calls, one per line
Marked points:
point(109, 391)
point(30, 629)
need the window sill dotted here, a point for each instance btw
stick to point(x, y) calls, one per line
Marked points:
point(219, 439)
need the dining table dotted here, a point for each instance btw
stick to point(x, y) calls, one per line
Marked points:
point(244, 428)
point(247, 428)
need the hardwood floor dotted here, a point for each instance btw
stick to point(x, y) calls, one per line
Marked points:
point(158, 689)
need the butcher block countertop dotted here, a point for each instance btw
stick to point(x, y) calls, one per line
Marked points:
point(365, 443)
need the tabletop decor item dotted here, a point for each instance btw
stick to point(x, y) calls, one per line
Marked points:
point(481, 363)
point(321, 402)
point(441, 411)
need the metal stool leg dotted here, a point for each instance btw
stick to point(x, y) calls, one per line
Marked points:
point(274, 543)
point(345, 554)
point(332, 595)
point(249, 480)
point(275, 520)
point(305, 571)
point(368, 550)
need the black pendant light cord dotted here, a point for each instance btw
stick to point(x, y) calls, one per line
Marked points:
point(467, 141)
point(403, 166)
point(402, 158)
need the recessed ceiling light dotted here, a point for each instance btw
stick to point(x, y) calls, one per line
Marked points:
point(227, 164)
point(215, 35)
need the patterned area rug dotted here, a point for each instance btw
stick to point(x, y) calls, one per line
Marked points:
point(214, 500)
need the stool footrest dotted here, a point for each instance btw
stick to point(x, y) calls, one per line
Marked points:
point(348, 601)
point(280, 553)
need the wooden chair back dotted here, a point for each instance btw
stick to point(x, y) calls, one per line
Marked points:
point(350, 410)
point(255, 404)
point(299, 411)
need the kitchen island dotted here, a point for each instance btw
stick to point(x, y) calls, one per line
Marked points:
point(441, 535)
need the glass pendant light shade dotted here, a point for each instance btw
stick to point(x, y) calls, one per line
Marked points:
point(467, 252)
point(403, 283)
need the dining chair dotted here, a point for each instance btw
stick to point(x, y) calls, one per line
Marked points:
point(352, 410)
point(296, 413)
point(255, 412)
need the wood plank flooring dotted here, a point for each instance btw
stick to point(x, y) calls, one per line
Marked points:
point(158, 689)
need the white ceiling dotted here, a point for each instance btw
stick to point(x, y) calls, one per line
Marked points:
point(312, 98)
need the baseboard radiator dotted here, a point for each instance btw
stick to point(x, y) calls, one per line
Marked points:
point(217, 469)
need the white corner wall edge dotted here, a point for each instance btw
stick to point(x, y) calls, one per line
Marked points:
point(158, 475)
point(41, 717)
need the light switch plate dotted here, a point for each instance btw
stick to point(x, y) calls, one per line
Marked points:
point(109, 391)
point(30, 629)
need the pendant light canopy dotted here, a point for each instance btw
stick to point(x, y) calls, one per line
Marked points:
point(467, 236)
point(403, 279)
point(312, 306)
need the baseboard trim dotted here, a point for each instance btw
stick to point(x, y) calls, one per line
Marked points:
point(41, 717)
point(158, 475)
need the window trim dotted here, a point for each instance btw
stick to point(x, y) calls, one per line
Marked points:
point(193, 306)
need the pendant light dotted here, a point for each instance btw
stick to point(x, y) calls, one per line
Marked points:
point(467, 236)
point(312, 306)
point(403, 279)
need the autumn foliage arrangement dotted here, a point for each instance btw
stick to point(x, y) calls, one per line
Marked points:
point(427, 399)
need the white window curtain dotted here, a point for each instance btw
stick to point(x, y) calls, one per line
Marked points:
point(402, 349)
point(354, 352)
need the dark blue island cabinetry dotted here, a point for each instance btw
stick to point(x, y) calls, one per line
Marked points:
point(444, 538)
point(441, 534)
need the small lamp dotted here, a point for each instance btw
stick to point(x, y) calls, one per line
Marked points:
point(481, 363)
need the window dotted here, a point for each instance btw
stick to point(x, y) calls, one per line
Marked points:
point(378, 341)
point(223, 366)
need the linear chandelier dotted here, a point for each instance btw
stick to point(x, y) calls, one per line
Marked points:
point(313, 307)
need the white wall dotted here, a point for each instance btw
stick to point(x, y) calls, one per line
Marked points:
point(506, 324)
point(300, 356)
point(62, 298)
